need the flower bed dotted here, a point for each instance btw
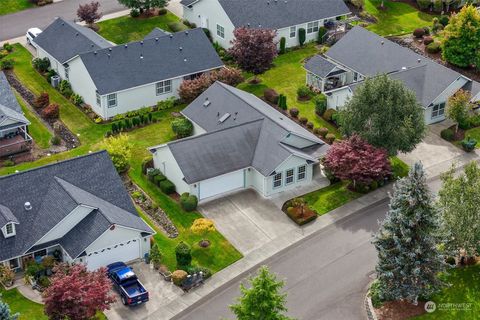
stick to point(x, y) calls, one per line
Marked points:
point(299, 211)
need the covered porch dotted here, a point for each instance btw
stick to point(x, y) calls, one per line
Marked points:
point(14, 139)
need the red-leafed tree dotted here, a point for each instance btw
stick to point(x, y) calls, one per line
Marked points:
point(89, 12)
point(254, 49)
point(76, 293)
point(356, 160)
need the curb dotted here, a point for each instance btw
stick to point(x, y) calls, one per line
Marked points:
point(371, 315)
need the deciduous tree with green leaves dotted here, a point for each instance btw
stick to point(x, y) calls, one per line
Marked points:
point(120, 150)
point(459, 200)
point(262, 300)
point(461, 38)
point(407, 243)
point(459, 107)
point(144, 5)
point(386, 114)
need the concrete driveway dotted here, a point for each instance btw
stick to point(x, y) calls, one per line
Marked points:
point(160, 292)
point(247, 220)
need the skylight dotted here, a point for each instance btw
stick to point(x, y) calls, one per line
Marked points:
point(224, 117)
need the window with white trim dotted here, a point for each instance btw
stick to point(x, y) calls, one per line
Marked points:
point(293, 32)
point(10, 229)
point(99, 101)
point(220, 31)
point(164, 87)
point(438, 110)
point(112, 100)
point(277, 180)
point(312, 27)
point(289, 176)
point(301, 173)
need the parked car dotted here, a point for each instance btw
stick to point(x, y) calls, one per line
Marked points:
point(32, 33)
point(131, 290)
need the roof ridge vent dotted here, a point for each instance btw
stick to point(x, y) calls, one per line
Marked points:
point(404, 68)
point(207, 103)
point(224, 118)
point(28, 206)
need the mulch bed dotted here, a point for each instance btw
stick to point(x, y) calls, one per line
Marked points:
point(399, 310)
point(459, 135)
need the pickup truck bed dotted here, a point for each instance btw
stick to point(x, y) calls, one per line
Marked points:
point(131, 290)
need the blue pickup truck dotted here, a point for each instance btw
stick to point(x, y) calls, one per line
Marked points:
point(131, 290)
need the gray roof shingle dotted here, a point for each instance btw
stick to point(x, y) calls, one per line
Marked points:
point(9, 106)
point(319, 66)
point(55, 190)
point(278, 14)
point(151, 60)
point(64, 40)
point(156, 33)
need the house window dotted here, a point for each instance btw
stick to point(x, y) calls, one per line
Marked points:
point(312, 27)
point(164, 87)
point(220, 31)
point(14, 264)
point(99, 101)
point(9, 229)
point(112, 100)
point(438, 110)
point(302, 171)
point(41, 253)
point(289, 176)
point(277, 180)
point(293, 32)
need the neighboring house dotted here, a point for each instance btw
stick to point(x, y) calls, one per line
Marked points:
point(76, 209)
point(361, 53)
point(221, 17)
point(115, 79)
point(14, 136)
point(239, 142)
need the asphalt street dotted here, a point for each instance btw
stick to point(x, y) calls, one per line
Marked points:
point(326, 275)
point(16, 24)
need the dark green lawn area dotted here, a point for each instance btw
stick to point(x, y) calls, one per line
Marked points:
point(331, 197)
point(127, 29)
point(465, 288)
point(36, 129)
point(11, 6)
point(399, 18)
point(286, 76)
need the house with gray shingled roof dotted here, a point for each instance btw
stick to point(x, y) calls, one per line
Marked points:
point(76, 210)
point(361, 53)
point(239, 142)
point(115, 79)
point(287, 17)
point(14, 137)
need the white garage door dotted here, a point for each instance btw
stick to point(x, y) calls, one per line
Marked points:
point(125, 251)
point(221, 184)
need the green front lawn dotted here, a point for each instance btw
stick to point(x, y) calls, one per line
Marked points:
point(464, 288)
point(36, 129)
point(331, 197)
point(286, 76)
point(127, 29)
point(399, 18)
point(18, 303)
point(11, 6)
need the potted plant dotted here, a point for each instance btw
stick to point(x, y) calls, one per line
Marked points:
point(48, 263)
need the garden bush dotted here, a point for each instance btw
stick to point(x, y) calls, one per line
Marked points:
point(282, 102)
point(178, 276)
point(134, 13)
point(176, 26)
point(464, 124)
point(299, 211)
point(303, 120)
point(3, 54)
point(52, 111)
point(6, 64)
point(76, 99)
point(424, 4)
point(468, 144)
point(434, 47)
point(418, 33)
point(55, 140)
point(328, 114)
point(42, 101)
point(166, 104)
point(320, 104)
point(444, 20)
point(323, 132)
point(427, 31)
point(167, 186)
point(65, 88)
point(183, 255)
point(41, 64)
point(321, 33)
point(304, 92)
point(8, 163)
point(374, 293)
point(271, 95)
point(302, 36)
point(158, 179)
point(330, 138)
point(447, 134)
point(188, 202)
point(294, 112)
point(427, 40)
point(309, 125)
point(437, 5)
point(283, 43)
point(147, 163)
point(182, 127)
point(163, 11)
point(8, 47)
point(475, 120)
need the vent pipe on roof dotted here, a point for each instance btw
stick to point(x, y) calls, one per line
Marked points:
point(110, 49)
point(108, 55)
point(27, 206)
point(186, 32)
point(141, 56)
point(180, 48)
point(171, 36)
point(126, 45)
point(141, 42)
point(95, 52)
point(206, 103)
point(419, 60)
point(382, 42)
point(76, 34)
point(156, 39)
point(185, 60)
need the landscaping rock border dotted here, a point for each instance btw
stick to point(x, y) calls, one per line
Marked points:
point(369, 309)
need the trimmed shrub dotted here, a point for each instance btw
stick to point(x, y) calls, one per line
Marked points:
point(418, 33)
point(328, 114)
point(309, 125)
point(447, 134)
point(424, 4)
point(167, 186)
point(282, 102)
point(7, 46)
point(304, 92)
point(207, 32)
point(271, 95)
point(114, 127)
point(330, 137)
point(427, 31)
point(163, 11)
point(178, 276)
point(146, 164)
point(468, 144)
point(302, 36)
point(427, 40)
point(52, 111)
point(444, 20)
point(65, 88)
point(6, 64)
point(76, 99)
point(8, 163)
point(434, 47)
point(182, 127)
point(320, 104)
point(438, 5)
point(41, 64)
point(55, 140)
point(323, 132)
point(303, 120)
point(183, 254)
point(42, 101)
point(294, 112)
point(188, 202)
point(283, 43)
point(158, 179)
point(176, 26)
point(134, 13)
point(322, 31)
point(3, 54)
point(464, 124)
point(151, 174)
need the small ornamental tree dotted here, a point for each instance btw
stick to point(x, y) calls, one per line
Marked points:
point(5, 313)
point(183, 254)
point(42, 100)
point(355, 160)
point(459, 107)
point(144, 5)
point(202, 227)
point(51, 112)
point(407, 243)
point(76, 293)
point(461, 38)
point(120, 150)
point(254, 49)
point(386, 114)
point(302, 36)
point(263, 300)
point(89, 12)
point(182, 127)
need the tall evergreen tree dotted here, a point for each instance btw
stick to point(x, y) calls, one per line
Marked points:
point(408, 242)
point(262, 301)
point(5, 313)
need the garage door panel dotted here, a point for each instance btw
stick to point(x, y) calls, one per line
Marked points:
point(221, 184)
point(125, 251)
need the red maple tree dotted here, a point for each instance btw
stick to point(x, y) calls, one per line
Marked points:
point(356, 160)
point(76, 293)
